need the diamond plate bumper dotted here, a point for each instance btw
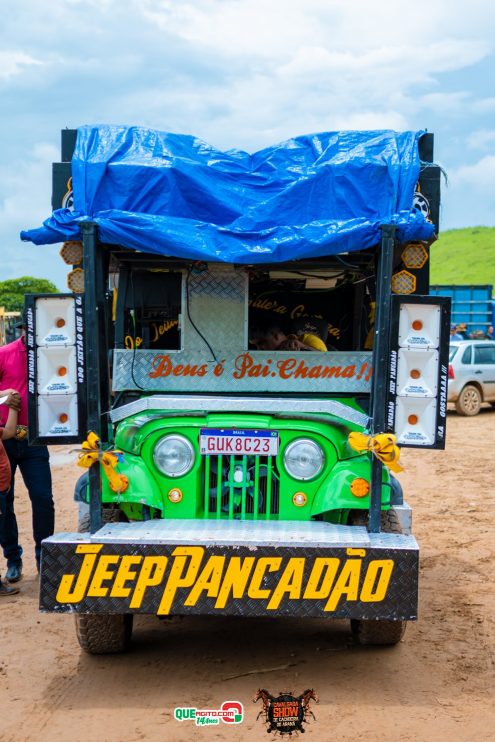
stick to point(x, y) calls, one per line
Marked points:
point(242, 568)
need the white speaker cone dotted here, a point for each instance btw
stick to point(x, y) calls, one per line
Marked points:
point(415, 420)
point(57, 372)
point(417, 373)
point(419, 326)
point(57, 415)
point(55, 321)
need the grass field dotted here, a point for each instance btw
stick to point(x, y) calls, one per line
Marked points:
point(464, 256)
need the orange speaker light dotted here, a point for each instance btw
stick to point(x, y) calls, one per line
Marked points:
point(175, 495)
point(60, 322)
point(62, 371)
point(300, 499)
point(63, 417)
point(412, 419)
point(415, 374)
point(417, 325)
point(360, 487)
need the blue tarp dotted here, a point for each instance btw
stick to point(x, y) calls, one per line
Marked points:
point(175, 195)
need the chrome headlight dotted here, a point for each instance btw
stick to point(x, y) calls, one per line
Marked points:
point(304, 459)
point(174, 455)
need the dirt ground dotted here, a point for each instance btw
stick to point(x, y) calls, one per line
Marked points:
point(437, 684)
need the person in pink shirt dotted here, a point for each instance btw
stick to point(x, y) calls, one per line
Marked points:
point(33, 462)
point(12, 401)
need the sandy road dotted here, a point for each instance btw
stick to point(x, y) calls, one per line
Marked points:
point(437, 684)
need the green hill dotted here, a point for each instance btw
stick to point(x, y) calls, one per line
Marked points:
point(464, 256)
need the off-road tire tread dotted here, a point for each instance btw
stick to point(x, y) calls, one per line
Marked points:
point(382, 632)
point(108, 515)
point(378, 632)
point(389, 520)
point(104, 633)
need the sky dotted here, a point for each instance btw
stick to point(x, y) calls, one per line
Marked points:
point(244, 74)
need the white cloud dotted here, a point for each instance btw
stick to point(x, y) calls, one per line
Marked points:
point(485, 105)
point(481, 139)
point(445, 103)
point(480, 175)
point(470, 196)
point(13, 63)
point(242, 73)
point(26, 203)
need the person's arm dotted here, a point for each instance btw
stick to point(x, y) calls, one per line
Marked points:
point(13, 398)
point(10, 428)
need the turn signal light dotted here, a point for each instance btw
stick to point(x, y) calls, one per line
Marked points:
point(175, 495)
point(300, 499)
point(451, 372)
point(360, 487)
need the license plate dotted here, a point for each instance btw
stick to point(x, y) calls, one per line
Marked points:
point(238, 442)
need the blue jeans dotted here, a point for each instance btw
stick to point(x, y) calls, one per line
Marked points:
point(3, 510)
point(33, 461)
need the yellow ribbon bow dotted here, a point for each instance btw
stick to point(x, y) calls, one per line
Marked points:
point(108, 459)
point(382, 445)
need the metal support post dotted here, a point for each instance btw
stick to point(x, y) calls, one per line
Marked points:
point(380, 365)
point(92, 328)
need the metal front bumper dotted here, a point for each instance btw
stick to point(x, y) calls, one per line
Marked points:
point(242, 568)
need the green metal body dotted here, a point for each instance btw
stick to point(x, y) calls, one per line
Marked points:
point(265, 490)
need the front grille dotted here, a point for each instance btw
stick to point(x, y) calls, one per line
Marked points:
point(240, 487)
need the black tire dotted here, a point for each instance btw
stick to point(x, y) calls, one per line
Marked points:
point(389, 520)
point(377, 632)
point(469, 401)
point(104, 633)
point(108, 515)
point(381, 632)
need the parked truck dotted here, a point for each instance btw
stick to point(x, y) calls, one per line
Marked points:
point(249, 341)
point(472, 307)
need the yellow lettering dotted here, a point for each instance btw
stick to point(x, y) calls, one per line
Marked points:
point(297, 312)
point(290, 582)
point(265, 563)
point(355, 552)
point(151, 574)
point(65, 593)
point(326, 566)
point(373, 590)
point(89, 548)
point(347, 584)
point(96, 589)
point(187, 561)
point(208, 580)
point(235, 580)
point(125, 574)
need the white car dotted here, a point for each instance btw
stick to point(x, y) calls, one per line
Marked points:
point(471, 375)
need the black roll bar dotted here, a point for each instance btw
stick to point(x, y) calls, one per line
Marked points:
point(380, 365)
